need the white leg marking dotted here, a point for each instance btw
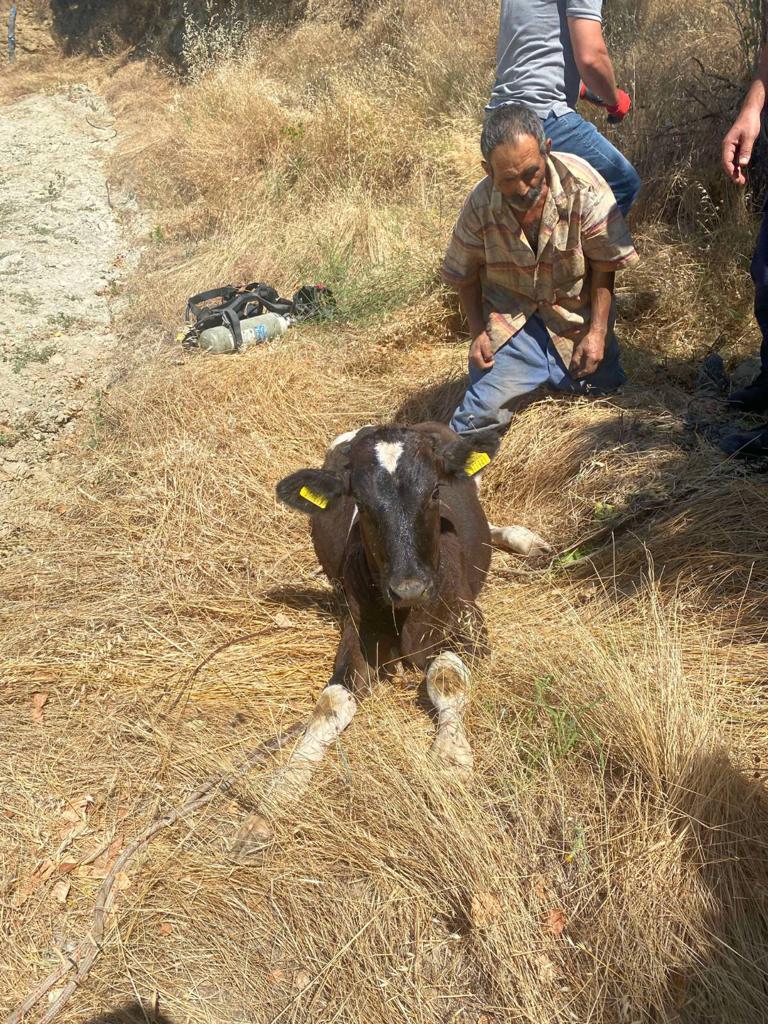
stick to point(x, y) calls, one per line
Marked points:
point(388, 453)
point(519, 540)
point(333, 712)
point(447, 684)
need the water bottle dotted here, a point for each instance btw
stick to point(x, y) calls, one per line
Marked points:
point(254, 330)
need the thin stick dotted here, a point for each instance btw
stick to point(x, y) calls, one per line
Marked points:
point(87, 951)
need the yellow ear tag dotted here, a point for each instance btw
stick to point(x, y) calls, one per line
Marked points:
point(316, 499)
point(475, 462)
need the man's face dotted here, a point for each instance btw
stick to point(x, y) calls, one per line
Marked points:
point(519, 170)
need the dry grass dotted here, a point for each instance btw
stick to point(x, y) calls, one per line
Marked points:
point(608, 863)
point(611, 724)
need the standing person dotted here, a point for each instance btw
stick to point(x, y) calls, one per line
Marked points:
point(545, 47)
point(737, 151)
point(533, 258)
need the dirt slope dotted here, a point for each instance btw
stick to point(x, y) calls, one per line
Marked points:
point(62, 250)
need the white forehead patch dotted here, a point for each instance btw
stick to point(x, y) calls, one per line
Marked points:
point(343, 438)
point(388, 454)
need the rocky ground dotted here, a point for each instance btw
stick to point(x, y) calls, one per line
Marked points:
point(63, 252)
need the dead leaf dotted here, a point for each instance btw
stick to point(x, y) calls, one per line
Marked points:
point(486, 908)
point(42, 872)
point(60, 891)
point(301, 979)
point(165, 928)
point(77, 809)
point(67, 867)
point(104, 862)
point(547, 970)
point(122, 881)
point(555, 922)
point(282, 621)
point(276, 977)
point(39, 700)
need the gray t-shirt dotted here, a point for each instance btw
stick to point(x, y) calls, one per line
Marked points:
point(534, 56)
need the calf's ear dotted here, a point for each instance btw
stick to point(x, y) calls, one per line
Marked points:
point(469, 453)
point(311, 490)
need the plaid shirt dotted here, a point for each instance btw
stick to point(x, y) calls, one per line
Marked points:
point(581, 227)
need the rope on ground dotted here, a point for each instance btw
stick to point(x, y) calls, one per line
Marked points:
point(87, 951)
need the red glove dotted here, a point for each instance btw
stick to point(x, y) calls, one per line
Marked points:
point(622, 108)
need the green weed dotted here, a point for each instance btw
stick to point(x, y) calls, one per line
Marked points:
point(56, 186)
point(27, 353)
point(565, 729)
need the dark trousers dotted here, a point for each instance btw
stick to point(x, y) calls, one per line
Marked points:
point(759, 270)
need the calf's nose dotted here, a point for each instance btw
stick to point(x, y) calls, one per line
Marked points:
point(408, 589)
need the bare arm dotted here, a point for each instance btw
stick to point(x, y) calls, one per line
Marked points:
point(739, 140)
point(471, 299)
point(592, 60)
point(589, 352)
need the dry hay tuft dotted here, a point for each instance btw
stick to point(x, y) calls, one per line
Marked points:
point(607, 861)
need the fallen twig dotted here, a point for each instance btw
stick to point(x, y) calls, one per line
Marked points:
point(85, 954)
point(101, 127)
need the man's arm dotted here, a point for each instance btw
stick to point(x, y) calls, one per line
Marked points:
point(471, 299)
point(589, 352)
point(592, 60)
point(738, 142)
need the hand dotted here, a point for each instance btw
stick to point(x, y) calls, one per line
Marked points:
point(587, 355)
point(481, 352)
point(619, 110)
point(737, 145)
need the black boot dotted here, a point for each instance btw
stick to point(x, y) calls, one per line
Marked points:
point(747, 443)
point(754, 397)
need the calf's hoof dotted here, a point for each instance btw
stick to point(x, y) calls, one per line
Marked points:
point(253, 837)
point(454, 754)
point(520, 541)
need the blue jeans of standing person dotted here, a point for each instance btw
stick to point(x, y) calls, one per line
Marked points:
point(759, 271)
point(525, 362)
point(570, 133)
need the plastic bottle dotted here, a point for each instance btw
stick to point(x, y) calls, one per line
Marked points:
point(254, 330)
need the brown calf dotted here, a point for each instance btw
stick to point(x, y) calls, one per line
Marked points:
point(397, 524)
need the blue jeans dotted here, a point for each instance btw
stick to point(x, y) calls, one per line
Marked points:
point(570, 133)
point(759, 271)
point(522, 364)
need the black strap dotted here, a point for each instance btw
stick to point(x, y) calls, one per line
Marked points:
point(194, 309)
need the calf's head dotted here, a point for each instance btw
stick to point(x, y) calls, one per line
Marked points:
point(394, 475)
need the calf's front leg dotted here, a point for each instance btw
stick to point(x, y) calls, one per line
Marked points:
point(333, 712)
point(447, 685)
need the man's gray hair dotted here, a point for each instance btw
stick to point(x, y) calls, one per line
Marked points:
point(508, 123)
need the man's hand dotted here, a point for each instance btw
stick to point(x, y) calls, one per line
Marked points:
point(619, 110)
point(738, 143)
point(481, 352)
point(587, 355)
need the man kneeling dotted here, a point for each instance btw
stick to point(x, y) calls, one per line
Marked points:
point(533, 257)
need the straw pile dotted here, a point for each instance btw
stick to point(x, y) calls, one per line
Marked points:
point(608, 861)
